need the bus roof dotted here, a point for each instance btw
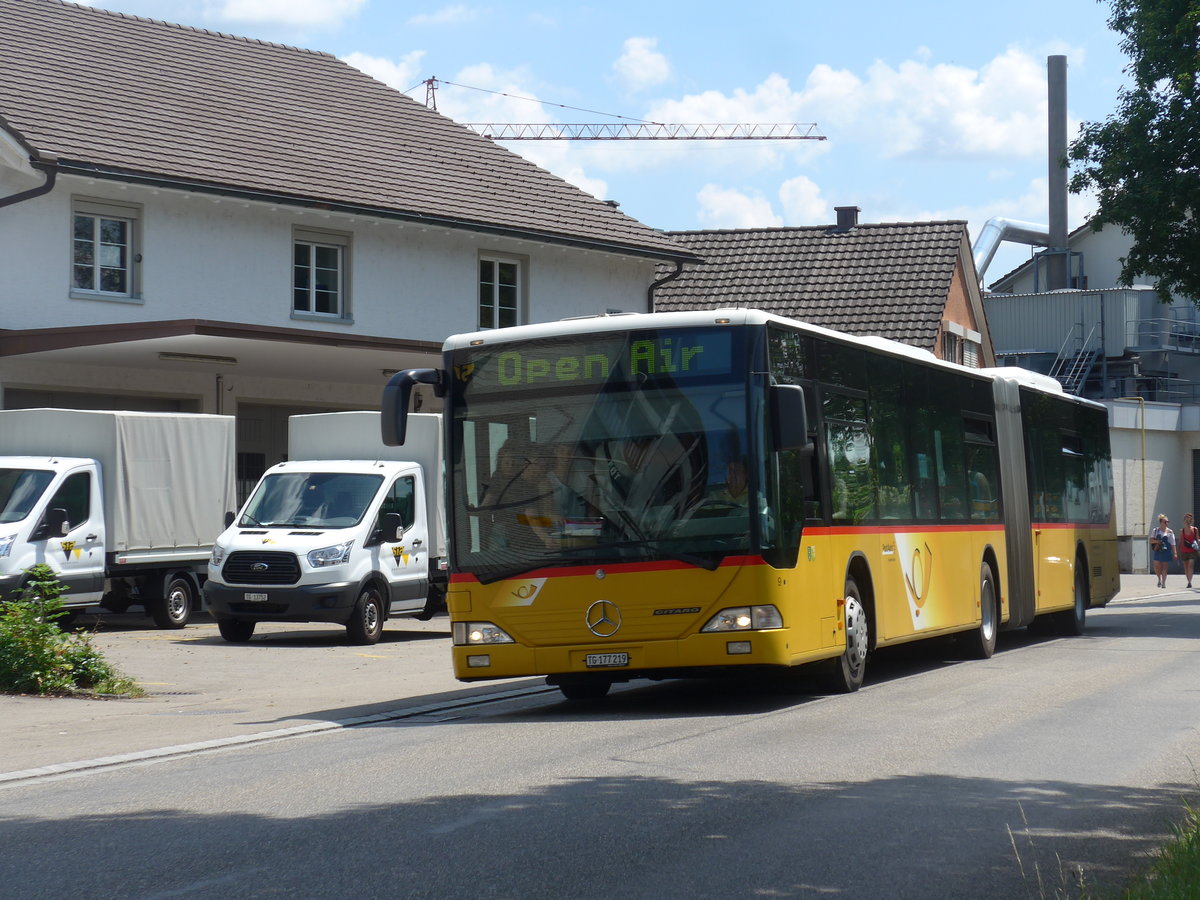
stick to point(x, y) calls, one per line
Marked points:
point(612, 322)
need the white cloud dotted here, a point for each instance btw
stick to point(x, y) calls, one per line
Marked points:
point(641, 66)
point(401, 75)
point(803, 203)
point(286, 12)
point(447, 15)
point(729, 208)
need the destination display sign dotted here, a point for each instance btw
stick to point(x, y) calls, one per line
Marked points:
point(589, 360)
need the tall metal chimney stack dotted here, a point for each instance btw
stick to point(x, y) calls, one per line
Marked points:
point(1056, 83)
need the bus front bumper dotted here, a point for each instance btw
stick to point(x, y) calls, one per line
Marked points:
point(625, 660)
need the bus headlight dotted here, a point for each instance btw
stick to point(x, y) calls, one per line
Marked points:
point(745, 618)
point(470, 634)
point(330, 556)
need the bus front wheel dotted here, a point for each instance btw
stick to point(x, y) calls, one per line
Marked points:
point(584, 690)
point(844, 675)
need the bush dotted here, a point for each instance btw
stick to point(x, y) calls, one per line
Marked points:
point(37, 657)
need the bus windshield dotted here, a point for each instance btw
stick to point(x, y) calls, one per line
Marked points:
point(618, 447)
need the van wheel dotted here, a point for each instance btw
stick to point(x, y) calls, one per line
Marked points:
point(981, 643)
point(366, 622)
point(844, 675)
point(235, 631)
point(175, 609)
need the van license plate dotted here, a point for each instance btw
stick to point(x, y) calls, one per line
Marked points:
point(255, 598)
point(605, 660)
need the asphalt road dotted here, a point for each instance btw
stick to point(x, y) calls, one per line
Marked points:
point(1058, 759)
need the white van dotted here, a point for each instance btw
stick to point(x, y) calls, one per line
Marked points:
point(328, 538)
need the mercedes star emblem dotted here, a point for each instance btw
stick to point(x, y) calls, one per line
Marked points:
point(603, 618)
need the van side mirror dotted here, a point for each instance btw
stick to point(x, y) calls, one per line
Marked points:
point(54, 524)
point(789, 417)
point(390, 529)
point(230, 515)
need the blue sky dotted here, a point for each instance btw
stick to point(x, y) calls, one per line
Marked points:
point(931, 111)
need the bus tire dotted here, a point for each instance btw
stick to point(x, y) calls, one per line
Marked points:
point(981, 642)
point(844, 674)
point(1071, 622)
point(585, 690)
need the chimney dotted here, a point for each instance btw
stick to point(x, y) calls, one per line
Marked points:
point(1056, 105)
point(847, 217)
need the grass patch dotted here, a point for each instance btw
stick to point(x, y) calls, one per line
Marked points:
point(1175, 874)
point(38, 657)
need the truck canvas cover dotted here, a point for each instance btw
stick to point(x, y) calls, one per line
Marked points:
point(168, 478)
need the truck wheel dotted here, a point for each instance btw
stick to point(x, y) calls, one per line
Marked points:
point(435, 602)
point(175, 609)
point(366, 622)
point(235, 630)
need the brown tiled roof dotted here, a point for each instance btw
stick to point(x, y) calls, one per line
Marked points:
point(162, 102)
point(890, 279)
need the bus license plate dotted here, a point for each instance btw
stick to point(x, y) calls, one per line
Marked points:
point(604, 660)
point(255, 598)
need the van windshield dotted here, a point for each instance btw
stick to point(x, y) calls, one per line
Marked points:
point(310, 500)
point(20, 490)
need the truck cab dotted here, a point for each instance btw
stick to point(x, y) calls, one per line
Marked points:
point(52, 512)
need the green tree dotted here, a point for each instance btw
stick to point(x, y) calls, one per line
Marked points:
point(1144, 161)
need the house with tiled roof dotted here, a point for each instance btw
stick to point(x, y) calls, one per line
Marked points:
point(912, 282)
point(201, 222)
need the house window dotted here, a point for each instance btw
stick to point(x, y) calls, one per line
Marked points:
point(499, 292)
point(950, 347)
point(970, 351)
point(104, 237)
point(319, 274)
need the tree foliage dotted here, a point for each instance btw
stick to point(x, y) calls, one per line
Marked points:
point(1144, 161)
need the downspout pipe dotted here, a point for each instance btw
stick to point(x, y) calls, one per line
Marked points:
point(997, 230)
point(668, 277)
point(44, 188)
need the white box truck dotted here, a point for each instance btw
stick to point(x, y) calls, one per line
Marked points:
point(347, 531)
point(123, 506)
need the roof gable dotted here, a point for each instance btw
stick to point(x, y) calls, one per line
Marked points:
point(133, 97)
point(890, 279)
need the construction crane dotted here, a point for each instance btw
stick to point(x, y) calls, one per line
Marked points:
point(634, 130)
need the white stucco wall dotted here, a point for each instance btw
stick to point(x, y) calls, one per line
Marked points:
point(225, 260)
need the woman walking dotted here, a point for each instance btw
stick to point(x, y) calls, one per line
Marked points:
point(1162, 545)
point(1189, 546)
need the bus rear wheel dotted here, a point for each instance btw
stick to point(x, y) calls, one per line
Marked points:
point(981, 643)
point(1071, 621)
point(844, 675)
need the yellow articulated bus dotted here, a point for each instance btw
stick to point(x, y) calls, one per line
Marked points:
point(673, 494)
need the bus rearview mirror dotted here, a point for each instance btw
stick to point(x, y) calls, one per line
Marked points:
point(789, 417)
